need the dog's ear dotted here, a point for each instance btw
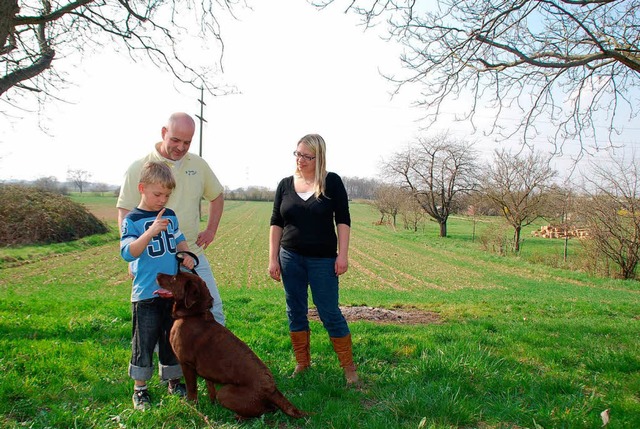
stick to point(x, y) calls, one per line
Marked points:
point(191, 294)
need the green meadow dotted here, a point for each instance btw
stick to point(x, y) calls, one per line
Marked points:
point(511, 341)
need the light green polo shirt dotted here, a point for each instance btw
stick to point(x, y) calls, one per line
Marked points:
point(194, 181)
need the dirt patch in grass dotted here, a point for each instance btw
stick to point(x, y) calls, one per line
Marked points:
point(383, 315)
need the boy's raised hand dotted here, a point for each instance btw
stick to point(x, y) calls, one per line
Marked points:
point(159, 224)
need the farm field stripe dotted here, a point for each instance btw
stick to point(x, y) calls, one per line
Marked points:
point(394, 270)
point(373, 276)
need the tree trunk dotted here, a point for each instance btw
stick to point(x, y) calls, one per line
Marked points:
point(443, 228)
point(516, 239)
point(8, 10)
point(37, 62)
point(628, 264)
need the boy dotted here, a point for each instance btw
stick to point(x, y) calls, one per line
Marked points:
point(150, 239)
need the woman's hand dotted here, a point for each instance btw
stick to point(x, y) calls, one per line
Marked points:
point(342, 265)
point(274, 271)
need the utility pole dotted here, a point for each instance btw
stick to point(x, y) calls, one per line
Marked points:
point(201, 116)
point(202, 120)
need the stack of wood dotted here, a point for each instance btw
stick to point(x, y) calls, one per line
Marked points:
point(561, 231)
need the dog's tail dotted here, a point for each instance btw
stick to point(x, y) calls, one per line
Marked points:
point(279, 400)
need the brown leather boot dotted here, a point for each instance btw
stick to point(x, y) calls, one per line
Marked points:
point(343, 348)
point(301, 342)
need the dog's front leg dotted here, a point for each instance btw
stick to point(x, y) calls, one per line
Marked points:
point(211, 387)
point(191, 380)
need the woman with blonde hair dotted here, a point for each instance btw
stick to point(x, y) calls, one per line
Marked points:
point(308, 248)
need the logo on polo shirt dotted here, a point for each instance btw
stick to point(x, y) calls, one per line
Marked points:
point(191, 172)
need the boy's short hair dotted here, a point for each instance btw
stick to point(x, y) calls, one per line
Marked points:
point(157, 173)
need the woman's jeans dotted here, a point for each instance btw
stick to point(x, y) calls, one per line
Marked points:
point(300, 272)
point(152, 324)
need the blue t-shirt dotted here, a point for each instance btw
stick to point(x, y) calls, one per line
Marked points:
point(158, 257)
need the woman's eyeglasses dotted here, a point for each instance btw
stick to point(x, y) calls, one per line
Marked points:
point(305, 157)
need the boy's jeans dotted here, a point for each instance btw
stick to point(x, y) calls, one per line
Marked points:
point(152, 324)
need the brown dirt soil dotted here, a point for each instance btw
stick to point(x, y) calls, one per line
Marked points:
point(383, 315)
point(103, 213)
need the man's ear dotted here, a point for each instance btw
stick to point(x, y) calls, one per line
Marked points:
point(191, 294)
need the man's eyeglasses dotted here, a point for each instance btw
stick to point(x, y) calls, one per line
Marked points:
point(305, 157)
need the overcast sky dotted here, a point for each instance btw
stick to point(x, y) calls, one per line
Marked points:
point(299, 71)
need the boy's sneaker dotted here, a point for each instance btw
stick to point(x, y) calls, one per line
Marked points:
point(141, 400)
point(178, 389)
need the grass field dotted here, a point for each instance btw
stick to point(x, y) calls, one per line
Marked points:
point(512, 344)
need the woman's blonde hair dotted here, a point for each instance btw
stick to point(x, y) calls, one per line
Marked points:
point(315, 143)
point(157, 173)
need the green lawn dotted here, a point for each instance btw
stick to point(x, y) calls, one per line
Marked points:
point(517, 344)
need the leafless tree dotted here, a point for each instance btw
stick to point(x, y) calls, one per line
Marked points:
point(435, 171)
point(612, 211)
point(561, 206)
point(360, 187)
point(78, 177)
point(49, 184)
point(35, 33)
point(518, 184)
point(475, 205)
point(573, 63)
point(101, 187)
point(389, 200)
point(411, 212)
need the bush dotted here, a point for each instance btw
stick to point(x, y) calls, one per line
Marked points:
point(493, 238)
point(34, 216)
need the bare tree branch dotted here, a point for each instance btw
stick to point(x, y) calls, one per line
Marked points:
point(573, 64)
point(51, 16)
point(35, 32)
point(612, 211)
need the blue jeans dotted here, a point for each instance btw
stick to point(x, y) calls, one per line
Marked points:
point(204, 271)
point(152, 324)
point(300, 272)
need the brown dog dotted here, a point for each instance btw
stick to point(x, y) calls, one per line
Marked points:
point(206, 348)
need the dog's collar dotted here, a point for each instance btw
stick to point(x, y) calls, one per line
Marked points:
point(185, 316)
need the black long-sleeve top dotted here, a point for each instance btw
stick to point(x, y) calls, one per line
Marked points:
point(308, 226)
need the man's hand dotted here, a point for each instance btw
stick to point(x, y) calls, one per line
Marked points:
point(205, 238)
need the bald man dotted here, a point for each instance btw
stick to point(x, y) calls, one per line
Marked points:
point(194, 181)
